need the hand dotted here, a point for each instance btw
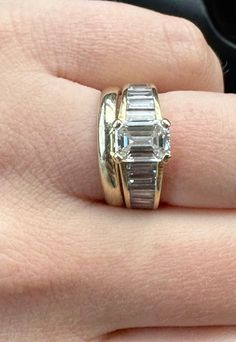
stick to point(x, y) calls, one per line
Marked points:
point(71, 267)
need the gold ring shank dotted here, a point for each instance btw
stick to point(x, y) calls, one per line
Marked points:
point(108, 168)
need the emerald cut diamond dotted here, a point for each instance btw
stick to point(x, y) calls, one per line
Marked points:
point(141, 141)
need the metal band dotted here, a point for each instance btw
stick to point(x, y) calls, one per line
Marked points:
point(108, 168)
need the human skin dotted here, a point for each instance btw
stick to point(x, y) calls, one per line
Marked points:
point(71, 267)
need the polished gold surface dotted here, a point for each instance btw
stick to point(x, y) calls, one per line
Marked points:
point(108, 168)
point(160, 169)
point(156, 103)
point(123, 104)
point(124, 183)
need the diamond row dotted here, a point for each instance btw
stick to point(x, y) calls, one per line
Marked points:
point(140, 176)
point(141, 183)
point(140, 103)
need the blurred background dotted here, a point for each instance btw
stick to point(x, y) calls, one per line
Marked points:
point(216, 19)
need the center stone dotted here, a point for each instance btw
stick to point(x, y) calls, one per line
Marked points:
point(141, 141)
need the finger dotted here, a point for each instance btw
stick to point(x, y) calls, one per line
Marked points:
point(177, 269)
point(200, 174)
point(76, 41)
point(216, 334)
point(107, 269)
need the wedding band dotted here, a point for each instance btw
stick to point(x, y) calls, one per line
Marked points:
point(133, 146)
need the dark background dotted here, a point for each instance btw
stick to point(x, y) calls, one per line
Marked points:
point(216, 19)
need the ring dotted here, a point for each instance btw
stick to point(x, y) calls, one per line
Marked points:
point(133, 146)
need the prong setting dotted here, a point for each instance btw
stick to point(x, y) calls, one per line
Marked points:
point(117, 124)
point(167, 157)
point(166, 123)
point(116, 157)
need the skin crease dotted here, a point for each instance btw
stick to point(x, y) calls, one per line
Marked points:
point(72, 268)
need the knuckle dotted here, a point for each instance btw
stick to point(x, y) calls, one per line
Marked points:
point(192, 33)
point(188, 46)
point(183, 31)
point(14, 27)
point(8, 22)
point(196, 44)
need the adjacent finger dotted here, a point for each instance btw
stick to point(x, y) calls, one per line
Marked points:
point(76, 40)
point(108, 269)
point(176, 268)
point(216, 334)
